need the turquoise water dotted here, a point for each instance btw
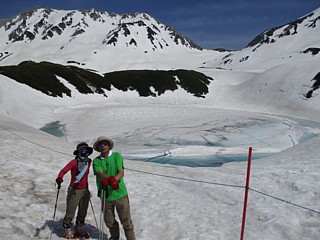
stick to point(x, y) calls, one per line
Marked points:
point(199, 161)
point(55, 129)
point(308, 133)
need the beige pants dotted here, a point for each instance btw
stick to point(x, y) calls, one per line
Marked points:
point(77, 198)
point(122, 206)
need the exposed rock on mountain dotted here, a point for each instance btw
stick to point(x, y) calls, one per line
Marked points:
point(43, 76)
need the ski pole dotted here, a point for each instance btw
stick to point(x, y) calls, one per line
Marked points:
point(94, 214)
point(55, 209)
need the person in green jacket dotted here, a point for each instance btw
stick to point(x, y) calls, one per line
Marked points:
point(109, 171)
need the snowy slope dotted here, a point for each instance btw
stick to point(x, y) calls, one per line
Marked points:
point(168, 201)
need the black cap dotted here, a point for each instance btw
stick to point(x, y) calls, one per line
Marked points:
point(81, 146)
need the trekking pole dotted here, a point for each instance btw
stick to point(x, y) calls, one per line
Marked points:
point(102, 213)
point(94, 214)
point(55, 209)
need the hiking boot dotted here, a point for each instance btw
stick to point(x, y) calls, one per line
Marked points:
point(111, 238)
point(68, 234)
point(80, 232)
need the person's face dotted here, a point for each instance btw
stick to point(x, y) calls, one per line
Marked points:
point(84, 152)
point(103, 146)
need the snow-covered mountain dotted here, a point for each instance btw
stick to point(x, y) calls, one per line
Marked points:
point(262, 96)
point(102, 42)
point(138, 40)
point(114, 29)
point(293, 42)
point(65, 34)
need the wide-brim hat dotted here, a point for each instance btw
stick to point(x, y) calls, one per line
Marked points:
point(83, 145)
point(100, 139)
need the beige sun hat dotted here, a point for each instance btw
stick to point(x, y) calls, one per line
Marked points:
point(102, 138)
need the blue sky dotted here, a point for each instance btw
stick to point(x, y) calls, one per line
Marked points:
point(229, 24)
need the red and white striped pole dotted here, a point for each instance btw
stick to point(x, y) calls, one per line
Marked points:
point(246, 194)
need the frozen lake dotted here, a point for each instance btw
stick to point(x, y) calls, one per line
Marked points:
point(199, 161)
point(182, 135)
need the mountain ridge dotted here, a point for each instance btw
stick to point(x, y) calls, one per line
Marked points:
point(50, 22)
point(63, 33)
point(263, 66)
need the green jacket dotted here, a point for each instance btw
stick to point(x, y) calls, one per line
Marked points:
point(110, 166)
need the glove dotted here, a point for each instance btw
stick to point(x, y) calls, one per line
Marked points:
point(59, 180)
point(104, 182)
point(113, 182)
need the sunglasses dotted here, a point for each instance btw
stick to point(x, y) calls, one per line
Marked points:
point(84, 152)
point(103, 143)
